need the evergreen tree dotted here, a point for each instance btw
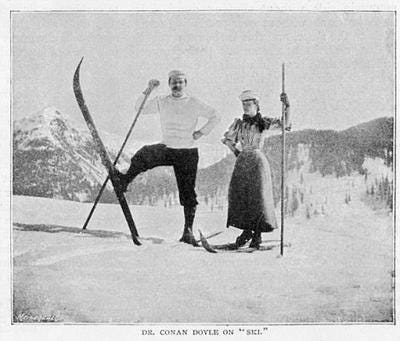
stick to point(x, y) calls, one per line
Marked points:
point(294, 203)
point(302, 197)
point(308, 215)
point(389, 200)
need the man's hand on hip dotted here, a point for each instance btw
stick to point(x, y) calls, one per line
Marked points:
point(197, 134)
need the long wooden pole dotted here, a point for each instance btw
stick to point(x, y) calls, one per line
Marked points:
point(147, 94)
point(283, 162)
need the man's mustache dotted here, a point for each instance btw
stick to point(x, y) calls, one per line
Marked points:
point(176, 88)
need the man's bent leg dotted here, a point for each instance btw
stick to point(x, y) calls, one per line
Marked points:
point(145, 158)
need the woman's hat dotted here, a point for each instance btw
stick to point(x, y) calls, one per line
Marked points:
point(248, 95)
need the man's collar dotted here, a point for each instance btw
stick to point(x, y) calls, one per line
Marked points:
point(184, 95)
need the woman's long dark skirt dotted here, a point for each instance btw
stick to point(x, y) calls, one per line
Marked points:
point(251, 204)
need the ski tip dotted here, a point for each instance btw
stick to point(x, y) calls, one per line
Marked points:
point(78, 68)
point(205, 244)
point(76, 84)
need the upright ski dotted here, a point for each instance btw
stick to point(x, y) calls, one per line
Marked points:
point(105, 159)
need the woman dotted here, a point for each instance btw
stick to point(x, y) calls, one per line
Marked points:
point(251, 204)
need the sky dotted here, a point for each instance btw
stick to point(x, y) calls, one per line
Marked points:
point(339, 65)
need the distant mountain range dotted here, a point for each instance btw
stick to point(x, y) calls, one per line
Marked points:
point(329, 152)
point(53, 157)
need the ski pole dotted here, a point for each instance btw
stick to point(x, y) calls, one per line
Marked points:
point(283, 162)
point(147, 94)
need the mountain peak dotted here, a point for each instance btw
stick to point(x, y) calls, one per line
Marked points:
point(40, 118)
point(48, 114)
point(46, 128)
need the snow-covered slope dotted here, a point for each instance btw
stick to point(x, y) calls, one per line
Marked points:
point(337, 267)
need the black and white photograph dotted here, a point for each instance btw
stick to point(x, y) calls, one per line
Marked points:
point(193, 172)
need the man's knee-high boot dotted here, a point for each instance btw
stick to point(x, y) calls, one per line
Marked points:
point(187, 236)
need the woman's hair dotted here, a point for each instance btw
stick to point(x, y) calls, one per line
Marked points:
point(257, 119)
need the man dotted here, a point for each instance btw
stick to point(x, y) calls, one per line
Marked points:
point(179, 114)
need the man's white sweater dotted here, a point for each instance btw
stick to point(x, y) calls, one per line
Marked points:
point(179, 117)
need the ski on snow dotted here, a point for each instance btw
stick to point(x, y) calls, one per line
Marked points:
point(232, 247)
